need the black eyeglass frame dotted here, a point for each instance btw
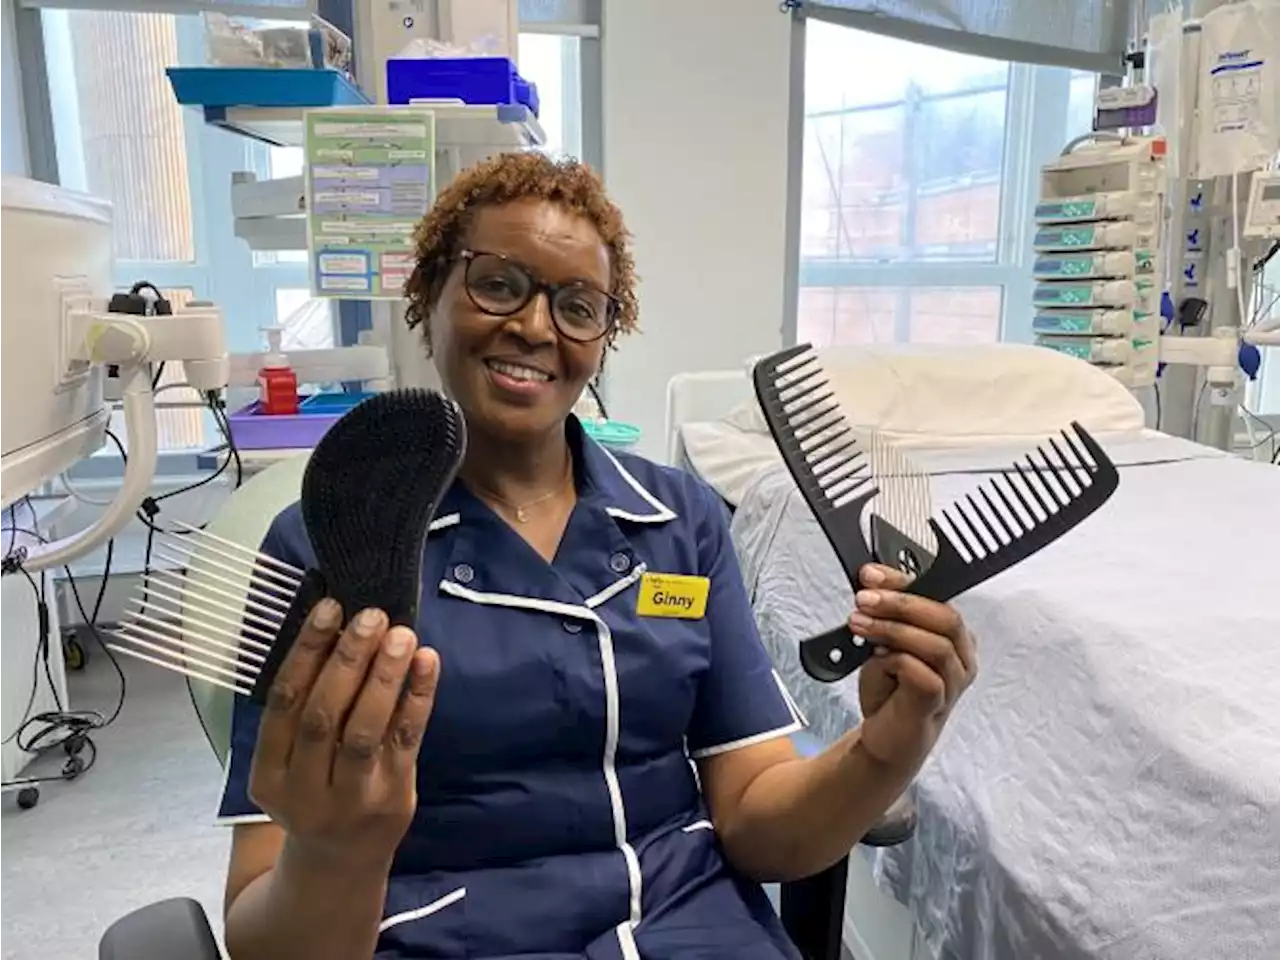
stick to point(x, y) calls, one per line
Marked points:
point(536, 286)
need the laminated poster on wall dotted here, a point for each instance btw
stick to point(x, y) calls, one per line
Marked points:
point(1239, 89)
point(369, 181)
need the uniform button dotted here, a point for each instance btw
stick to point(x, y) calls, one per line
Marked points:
point(619, 563)
point(572, 626)
point(463, 573)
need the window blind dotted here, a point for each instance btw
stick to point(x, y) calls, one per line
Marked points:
point(1082, 34)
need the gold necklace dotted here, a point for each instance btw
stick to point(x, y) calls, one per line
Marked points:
point(521, 510)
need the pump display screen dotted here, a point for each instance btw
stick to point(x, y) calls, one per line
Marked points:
point(1271, 192)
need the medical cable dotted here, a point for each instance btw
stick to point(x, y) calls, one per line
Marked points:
point(595, 395)
point(68, 730)
point(1254, 444)
point(65, 477)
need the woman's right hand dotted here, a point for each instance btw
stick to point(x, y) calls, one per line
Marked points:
point(336, 760)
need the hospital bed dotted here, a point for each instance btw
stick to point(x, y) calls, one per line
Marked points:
point(1109, 789)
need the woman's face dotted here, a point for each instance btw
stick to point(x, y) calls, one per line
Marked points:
point(516, 377)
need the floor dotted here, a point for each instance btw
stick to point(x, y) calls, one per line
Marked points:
point(136, 828)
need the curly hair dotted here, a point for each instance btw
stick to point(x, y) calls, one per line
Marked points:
point(505, 178)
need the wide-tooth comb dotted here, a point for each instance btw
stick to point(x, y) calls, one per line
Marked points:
point(834, 476)
point(1018, 513)
point(1009, 517)
point(369, 493)
point(200, 619)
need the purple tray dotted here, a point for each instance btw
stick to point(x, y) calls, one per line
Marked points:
point(253, 430)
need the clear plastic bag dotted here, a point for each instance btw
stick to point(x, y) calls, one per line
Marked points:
point(232, 41)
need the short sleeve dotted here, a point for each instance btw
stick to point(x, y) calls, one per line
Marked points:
point(234, 806)
point(741, 700)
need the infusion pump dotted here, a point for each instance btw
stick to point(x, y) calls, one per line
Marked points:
point(1263, 216)
point(1098, 256)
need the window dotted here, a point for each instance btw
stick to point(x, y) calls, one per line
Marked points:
point(552, 61)
point(915, 168)
point(121, 135)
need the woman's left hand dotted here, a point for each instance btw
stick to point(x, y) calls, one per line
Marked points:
point(924, 660)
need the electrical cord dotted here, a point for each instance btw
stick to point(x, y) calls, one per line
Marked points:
point(595, 395)
point(59, 729)
point(1159, 413)
point(1270, 438)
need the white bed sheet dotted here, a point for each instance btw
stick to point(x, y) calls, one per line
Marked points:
point(1110, 787)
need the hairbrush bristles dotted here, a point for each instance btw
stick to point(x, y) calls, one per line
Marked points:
point(369, 494)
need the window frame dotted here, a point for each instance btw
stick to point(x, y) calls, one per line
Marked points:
point(1036, 110)
point(221, 261)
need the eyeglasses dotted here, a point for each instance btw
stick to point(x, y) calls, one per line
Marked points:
point(501, 287)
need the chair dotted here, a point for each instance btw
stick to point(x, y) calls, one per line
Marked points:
point(812, 909)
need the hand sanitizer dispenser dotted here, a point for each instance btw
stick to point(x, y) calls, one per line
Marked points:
point(277, 382)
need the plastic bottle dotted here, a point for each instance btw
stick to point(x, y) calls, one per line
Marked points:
point(277, 382)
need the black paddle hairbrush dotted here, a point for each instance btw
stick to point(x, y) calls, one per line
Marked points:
point(369, 493)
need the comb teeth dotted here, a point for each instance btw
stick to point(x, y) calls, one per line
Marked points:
point(200, 620)
point(1010, 506)
point(905, 500)
point(830, 450)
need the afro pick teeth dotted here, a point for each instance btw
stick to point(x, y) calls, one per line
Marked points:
point(228, 614)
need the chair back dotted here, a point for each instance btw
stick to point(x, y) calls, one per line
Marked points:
point(243, 520)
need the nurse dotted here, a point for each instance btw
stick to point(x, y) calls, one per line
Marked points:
point(591, 756)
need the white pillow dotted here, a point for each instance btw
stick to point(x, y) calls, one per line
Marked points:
point(935, 395)
point(728, 457)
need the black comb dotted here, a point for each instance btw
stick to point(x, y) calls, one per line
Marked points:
point(1018, 513)
point(369, 493)
point(835, 478)
point(1009, 517)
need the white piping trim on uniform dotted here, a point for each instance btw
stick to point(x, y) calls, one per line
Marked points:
point(627, 940)
point(440, 523)
point(790, 728)
point(664, 513)
point(697, 825)
point(616, 587)
point(796, 713)
point(612, 725)
point(242, 819)
point(433, 907)
point(237, 818)
point(522, 603)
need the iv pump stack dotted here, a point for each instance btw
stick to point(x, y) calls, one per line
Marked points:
point(276, 380)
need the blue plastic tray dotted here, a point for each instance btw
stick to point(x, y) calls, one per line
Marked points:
point(612, 433)
point(251, 429)
point(262, 87)
point(477, 80)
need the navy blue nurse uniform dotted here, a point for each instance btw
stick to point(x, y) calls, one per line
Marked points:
point(559, 813)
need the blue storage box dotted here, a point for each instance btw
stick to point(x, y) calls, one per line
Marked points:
point(477, 80)
point(263, 87)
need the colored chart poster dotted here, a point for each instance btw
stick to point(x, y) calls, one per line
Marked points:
point(368, 184)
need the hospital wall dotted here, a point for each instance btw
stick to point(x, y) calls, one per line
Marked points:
point(695, 153)
point(11, 115)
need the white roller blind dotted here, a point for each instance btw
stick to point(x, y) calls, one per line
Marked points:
point(559, 12)
point(269, 9)
point(1083, 34)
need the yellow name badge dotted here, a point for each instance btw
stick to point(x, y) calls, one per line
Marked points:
point(673, 595)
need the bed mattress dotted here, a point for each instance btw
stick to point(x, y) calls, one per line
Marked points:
point(1110, 787)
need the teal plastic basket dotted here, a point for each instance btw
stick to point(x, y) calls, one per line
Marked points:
point(613, 434)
